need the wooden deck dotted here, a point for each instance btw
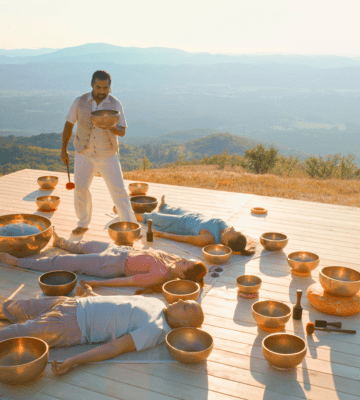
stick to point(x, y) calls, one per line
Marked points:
point(236, 368)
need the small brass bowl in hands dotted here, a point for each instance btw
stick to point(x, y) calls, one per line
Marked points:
point(270, 315)
point(302, 262)
point(180, 289)
point(57, 283)
point(216, 253)
point(47, 203)
point(340, 281)
point(189, 345)
point(143, 204)
point(138, 188)
point(273, 241)
point(24, 244)
point(248, 284)
point(47, 182)
point(284, 351)
point(124, 233)
point(22, 359)
point(105, 119)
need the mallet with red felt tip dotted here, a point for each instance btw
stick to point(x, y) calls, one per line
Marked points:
point(69, 185)
point(324, 324)
point(310, 328)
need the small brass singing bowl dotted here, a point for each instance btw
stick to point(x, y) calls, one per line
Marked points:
point(124, 233)
point(340, 281)
point(216, 253)
point(57, 283)
point(180, 289)
point(138, 188)
point(47, 182)
point(284, 351)
point(189, 345)
point(143, 204)
point(105, 119)
point(273, 241)
point(22, 359)
point(303, 262)
point(271, 316)
point(248, 284)
point(47, 203)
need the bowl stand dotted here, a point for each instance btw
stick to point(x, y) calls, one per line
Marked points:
point(272, 330)
point(248, 295)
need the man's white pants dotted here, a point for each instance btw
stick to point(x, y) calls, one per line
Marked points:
point(110, 170)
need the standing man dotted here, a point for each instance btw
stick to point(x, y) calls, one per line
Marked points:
point(96, 150)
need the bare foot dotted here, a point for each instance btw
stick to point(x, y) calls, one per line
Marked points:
point(56, 238)
point(79, 230)
point(8, 259)
point(162, 202)
point(114, 210)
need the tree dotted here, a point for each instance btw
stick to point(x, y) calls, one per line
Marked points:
point(322, 167)
point(146, 163)
point(260, 159)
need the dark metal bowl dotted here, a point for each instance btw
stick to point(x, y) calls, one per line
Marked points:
point(47, 203)
point(248, 284)
point(340, 281)
point(57, 283)
point(216, 253)
point(143, 204)
point(270, 315)
point(303, 262)
point(180, 289)
point(47, 182)
point(105, 119)
point(273, 241)
point(138, 188)
point(124, 232)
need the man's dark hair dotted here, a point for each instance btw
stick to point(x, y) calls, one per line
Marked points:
point(102, 75)
point(238, 243)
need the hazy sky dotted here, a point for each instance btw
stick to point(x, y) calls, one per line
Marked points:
point(223, 26)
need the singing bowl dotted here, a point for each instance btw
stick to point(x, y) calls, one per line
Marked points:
point(216, 253)
point(248, 283)
point(273, 241)
point(105, 119)
point(47, 182)
point(189, 345)
point(284, 351)
point(138, 188)
point(270, 315)
point(180, 289)
point(124, 232)
point(340, 281)
point(22, 359)
point(24, 245)
point(47, 203)
point(57, 283)
point(303, 262)
point(143, 204)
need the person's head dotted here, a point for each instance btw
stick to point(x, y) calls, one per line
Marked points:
point(191, 270)
point(101, 85)
point(235, 240)
point(184, 313)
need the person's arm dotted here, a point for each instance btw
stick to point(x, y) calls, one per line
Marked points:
point(67, 132)
point(139, 280)
point(122, 345)
point(119, 131)
point(201, 240)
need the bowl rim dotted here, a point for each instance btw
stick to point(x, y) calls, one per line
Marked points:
point(255, 276)
point(96, 112)
point(58, 270)
point(268, 316)
point(138, 183)
point(274, 240)
point(54, 198)
point(180, 280)
point(299, 252)
point(154, 199)
point(189, 352)
point(48, 176)
point(284, 334)
point(339, 280)
point(130, 222)
point(31, 215)
point(217, 255)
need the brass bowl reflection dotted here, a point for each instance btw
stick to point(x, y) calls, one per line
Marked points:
point(25, 245)
point(284, 351)
point(270, 315)
point(124, 233)
point(47, 182)
point(180, 289)
point(189, 345)
point(340, 281)
point(143, 204)
point(57, 283)
point(303, 262)
point(248, 283)
point(138, 188)
point(48, 203)
point(105, 119)
point(273, 241)
point(216, 253)
point(22, 359)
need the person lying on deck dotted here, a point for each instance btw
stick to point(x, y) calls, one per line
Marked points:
point(125, 323)
point(183, 225)
point(127, 266)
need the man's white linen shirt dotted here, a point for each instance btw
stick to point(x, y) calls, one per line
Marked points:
point(99, 144)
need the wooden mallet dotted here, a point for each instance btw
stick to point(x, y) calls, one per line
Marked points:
point(310, 328)
point(69, 185)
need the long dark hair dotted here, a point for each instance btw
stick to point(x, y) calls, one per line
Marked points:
point(239, 244)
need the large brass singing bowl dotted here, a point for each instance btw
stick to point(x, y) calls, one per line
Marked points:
point(284, 351)
point(270, 315)
point(47, 203)
point(124, 233)
point(24, 244)
point(105, 119)
point(340, 281)
point(303, 262)
point(47, 182)
point(22, 359)
point(143, 204)
point(189, 345)
point(57, 283)
point(180, 289)
point(216, 253)
point(138, 188)
point(273, 241)
point(248, 284)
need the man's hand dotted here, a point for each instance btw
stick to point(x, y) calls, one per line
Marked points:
point(64, 156)
point(118, 131)
point(85, 289)
point(63, 368)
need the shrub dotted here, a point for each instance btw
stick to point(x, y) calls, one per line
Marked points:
point(260, 159)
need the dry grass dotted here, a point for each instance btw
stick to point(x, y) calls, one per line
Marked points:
point(331, 191)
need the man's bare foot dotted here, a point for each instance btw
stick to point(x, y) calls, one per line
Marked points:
point(79, 230)
point(114, 210)
point(56, 238)
point(8, 259)
point(162, 202)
